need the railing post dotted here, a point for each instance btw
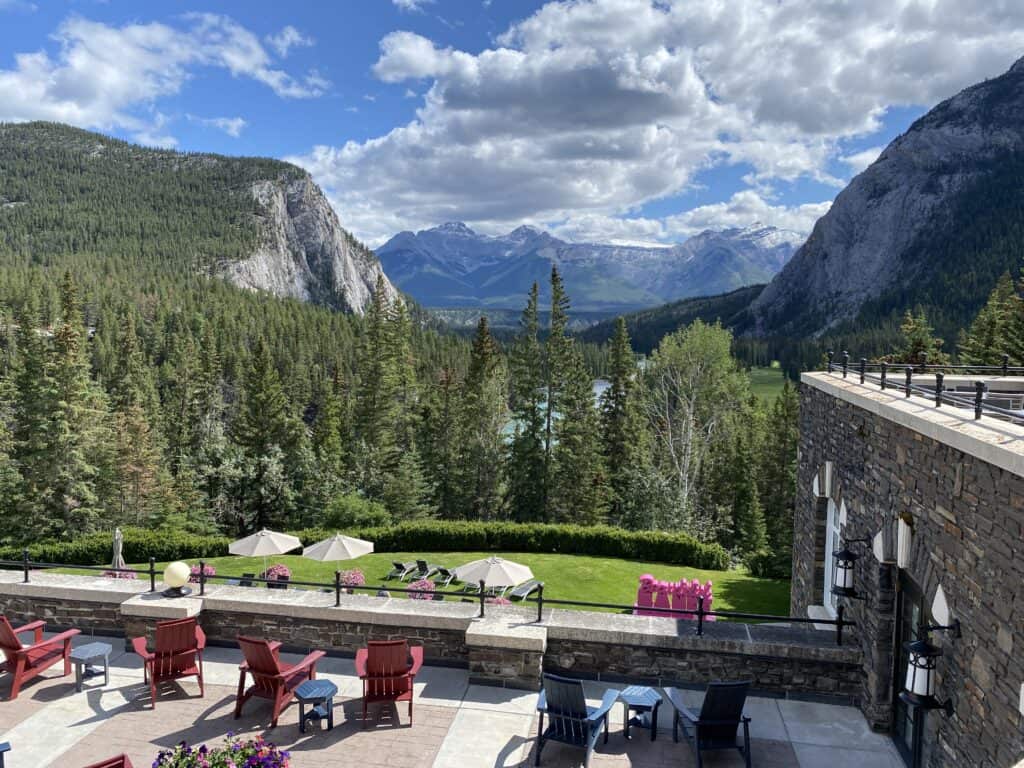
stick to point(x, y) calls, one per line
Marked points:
point(202, 577)
point(939, 376)
point(540, 603)
point(337, 589)
point(846, 362)
point(831, 355)
point(979, 395)
point(839, 624)
point(909, 373)
point(24, 564)
point(483, 597)
point(700, 615)
point(1006, 365)
point(863, 368)
point(885, 370)
point(152, 574)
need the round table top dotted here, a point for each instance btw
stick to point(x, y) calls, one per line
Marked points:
point(316, 690)
point(90, 651)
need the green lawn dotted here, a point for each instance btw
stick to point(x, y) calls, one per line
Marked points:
point(567, 577)
point(766, 383)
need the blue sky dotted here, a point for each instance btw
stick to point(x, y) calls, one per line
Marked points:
point(625, 120)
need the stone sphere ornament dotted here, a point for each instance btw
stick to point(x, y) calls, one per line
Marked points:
point(176, 576)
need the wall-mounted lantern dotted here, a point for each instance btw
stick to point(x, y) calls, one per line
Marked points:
point(845, 564)
point(919, 687)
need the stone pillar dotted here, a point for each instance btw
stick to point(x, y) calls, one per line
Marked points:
point(505, 653)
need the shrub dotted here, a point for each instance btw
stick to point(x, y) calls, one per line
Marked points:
point(350, 510)
point(423, 590)
point(236, 753)
point(208, 570)
point(353, 578)
point(276, 572)
point(418, 536)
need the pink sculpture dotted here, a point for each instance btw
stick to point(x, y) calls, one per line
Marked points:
point(644, 596)
point(662, 590)
point(709, 598)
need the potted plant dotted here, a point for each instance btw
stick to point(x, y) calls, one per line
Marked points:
point(422, 590)
point(235, 753)
point(208, 571)
point(353, 578)
point(277, 572)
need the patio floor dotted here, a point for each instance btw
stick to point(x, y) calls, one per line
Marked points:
point(456, 725)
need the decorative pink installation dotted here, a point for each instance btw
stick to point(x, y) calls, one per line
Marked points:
point(644, 596)
point(675, 596)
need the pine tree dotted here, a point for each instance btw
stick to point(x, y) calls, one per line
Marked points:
point(266, 433)
point(917, 340)
point(996, 330)
point(577, 480)
point(623, 434)
point(778, 478)
point(556, 361)
point(484, 414)
point(748, 521)
point(440, 445)
point(526, 462)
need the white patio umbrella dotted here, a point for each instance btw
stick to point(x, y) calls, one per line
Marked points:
point(263, 544)
point(338, 547)
point(494, 572)
point(118, 560)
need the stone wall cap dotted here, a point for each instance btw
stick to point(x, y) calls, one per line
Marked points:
point(153, 605)
point(62, 586)
point(308, 604)
point(997, 442)
point(507, 632)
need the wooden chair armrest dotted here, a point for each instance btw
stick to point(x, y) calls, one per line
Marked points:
point(139, 646)
point(361, 656)
point(200, 638)
point(33, 626)
point(309, 661)
point(416, 652)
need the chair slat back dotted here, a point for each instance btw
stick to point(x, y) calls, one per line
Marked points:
point(422, 566)
point(723, 702)
point(387, 664)
point(567, 708)
point(175, 636)
point(261, 657)
point(8, 640)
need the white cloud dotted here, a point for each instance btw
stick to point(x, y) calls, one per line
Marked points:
point(411, 5)
point(743, 209)
point(232, 126)
point(108, 77)
point(594, 107)
point(289, 37)
point(858, 161)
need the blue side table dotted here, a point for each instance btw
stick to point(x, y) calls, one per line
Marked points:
point(318, 695)
point(84, 656)
point(645, 702)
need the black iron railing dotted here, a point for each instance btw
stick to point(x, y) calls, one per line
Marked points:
point(900, 377)
point(479, 593)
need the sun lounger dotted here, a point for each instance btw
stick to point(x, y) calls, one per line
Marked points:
point(525, 589)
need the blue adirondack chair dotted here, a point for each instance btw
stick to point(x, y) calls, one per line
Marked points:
point(717, 724)
point(5, 747)
point(570, 720)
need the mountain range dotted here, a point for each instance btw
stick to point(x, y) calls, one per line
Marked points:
point(453, 266)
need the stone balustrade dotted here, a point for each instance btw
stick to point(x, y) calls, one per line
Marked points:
point(507, 647)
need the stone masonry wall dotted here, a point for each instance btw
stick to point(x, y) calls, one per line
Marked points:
point(346, 637)
point(967, 536)
point(661, 666)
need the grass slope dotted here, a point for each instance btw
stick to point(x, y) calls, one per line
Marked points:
point(565, 577)
point(766, 383)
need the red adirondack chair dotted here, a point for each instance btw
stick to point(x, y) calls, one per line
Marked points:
point(271, 678)
point(387, 674)
point(27, 661)
point(178, 653)
point(120, 761)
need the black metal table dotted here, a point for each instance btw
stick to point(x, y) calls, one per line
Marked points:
point(318, 695)
point(644, 701)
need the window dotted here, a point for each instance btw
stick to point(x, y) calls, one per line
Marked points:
point(910, 616)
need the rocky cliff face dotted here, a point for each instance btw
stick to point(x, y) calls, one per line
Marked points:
point(304, 253)
point(887, 236)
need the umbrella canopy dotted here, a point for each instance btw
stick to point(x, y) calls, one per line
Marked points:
point(118, 561)
point(338, 547)
point(494, 572)
point(264, 543)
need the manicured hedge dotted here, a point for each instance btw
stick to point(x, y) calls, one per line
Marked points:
point(422, 536)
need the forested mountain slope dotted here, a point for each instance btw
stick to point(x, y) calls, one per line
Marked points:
point(71, 197)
